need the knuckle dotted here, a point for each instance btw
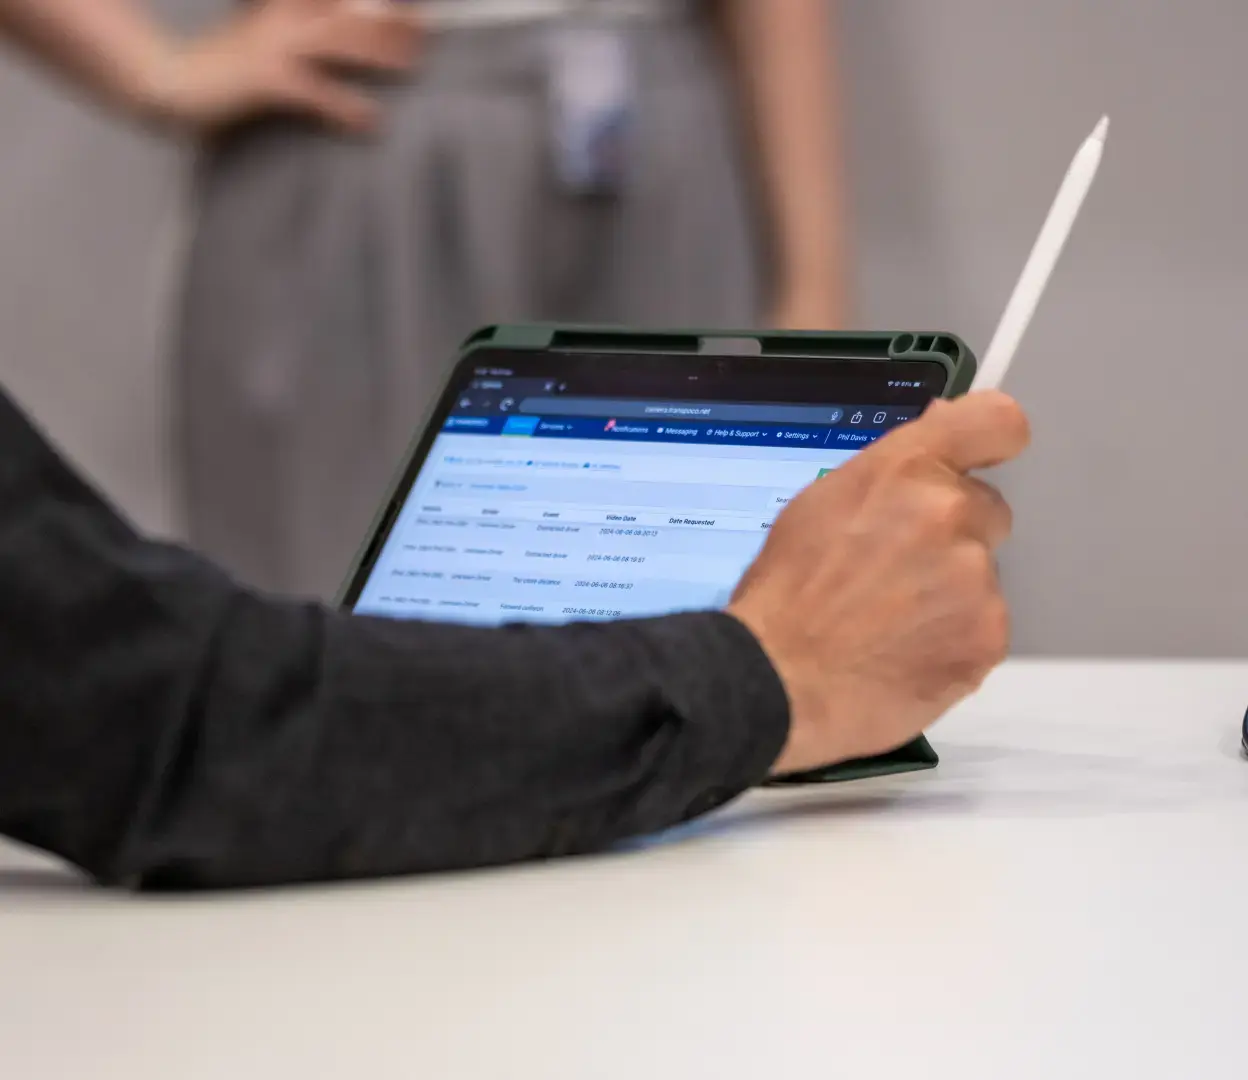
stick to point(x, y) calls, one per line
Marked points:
point(909, 463)
point(993, 633)
point(943, 508)
point(1003, 509)
point(974, 571)
point(985, 643)
point(997, 511)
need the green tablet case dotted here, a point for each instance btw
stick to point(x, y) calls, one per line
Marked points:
point(931, 346)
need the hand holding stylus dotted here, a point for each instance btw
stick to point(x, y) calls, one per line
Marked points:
point(876, 595)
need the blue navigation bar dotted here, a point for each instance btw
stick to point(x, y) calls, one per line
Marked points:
point(815, 437)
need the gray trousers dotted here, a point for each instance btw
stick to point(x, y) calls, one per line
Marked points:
point(329, 280)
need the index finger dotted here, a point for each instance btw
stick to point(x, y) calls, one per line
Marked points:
point(363, 38)
point(978, 431)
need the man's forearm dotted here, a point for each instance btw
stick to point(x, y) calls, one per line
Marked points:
point(783, 50)
point(367, 747)
point(160, 725)
point(113, 49)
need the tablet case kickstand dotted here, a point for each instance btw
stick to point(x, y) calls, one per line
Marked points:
point(914, 757)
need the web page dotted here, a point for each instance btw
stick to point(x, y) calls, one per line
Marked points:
point(558, 517)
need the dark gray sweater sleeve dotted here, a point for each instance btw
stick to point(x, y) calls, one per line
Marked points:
point(161, 726)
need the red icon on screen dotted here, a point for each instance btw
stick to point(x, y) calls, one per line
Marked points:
point(610, 426)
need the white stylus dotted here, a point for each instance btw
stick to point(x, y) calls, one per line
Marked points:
point(1044, 255)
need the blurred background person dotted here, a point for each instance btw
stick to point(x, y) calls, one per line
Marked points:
point(650, 162)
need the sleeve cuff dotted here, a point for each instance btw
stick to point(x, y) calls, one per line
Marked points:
point(721, 680)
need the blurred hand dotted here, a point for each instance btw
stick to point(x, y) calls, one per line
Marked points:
point(876, 595)
point(287, 56)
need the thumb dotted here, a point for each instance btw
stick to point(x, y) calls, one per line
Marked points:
point(977, 431)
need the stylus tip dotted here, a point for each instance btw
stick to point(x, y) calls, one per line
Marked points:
point(1101, 129)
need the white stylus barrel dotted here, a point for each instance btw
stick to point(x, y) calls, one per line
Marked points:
point(1044, 256)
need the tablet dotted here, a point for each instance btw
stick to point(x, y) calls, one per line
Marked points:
point(571, 474)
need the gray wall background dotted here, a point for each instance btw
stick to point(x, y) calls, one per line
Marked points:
point(1132, 514)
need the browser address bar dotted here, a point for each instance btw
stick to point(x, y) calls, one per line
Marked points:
point(634, 409)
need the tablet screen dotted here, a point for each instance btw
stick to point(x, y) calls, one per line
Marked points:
point(559, 487)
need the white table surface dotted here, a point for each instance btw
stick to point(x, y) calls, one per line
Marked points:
point(1064, 897)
